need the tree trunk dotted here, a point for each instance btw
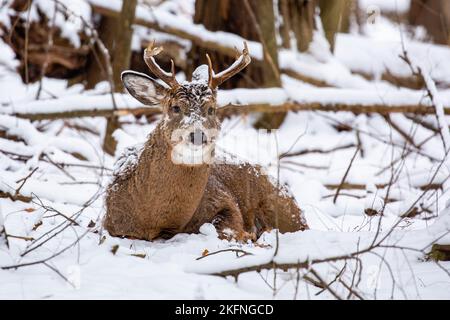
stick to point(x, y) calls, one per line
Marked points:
point(348, 15)
point(331, 13)
point(297, 20)
point(96, 70)
point(285, 23)
point(121, 61)
point(230, 16)
point(124, 34)
point(302, 15)
point(265, 25)
point(434, 15)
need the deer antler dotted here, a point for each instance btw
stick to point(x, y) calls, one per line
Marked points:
point(149, 59)
point(242, 60)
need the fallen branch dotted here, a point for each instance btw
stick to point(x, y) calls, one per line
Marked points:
point(422, 122)
point(321, 151)
point(272, 265)
point(24, 180)
point(411, 82)
point(43, 261)
point(433, 95)
point(350, 186)
point(397, 128)
point(19, 237)
point(338, 189)
point(237, 251)
point(258, 268)
point(14, 197)
point(44, 157)
point(233, 109)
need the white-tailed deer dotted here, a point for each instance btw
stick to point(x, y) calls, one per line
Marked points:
point(171, 184)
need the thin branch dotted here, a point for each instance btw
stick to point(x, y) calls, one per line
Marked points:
point(345, 175)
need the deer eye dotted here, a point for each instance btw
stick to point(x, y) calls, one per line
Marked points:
point(176, 109)
point(210, 111)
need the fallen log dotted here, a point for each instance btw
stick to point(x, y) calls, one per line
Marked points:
point(209, 43)
point(227, 49)
point(94, 112)
point(179, 32)
point(233, 109)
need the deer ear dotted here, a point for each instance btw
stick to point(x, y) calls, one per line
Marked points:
point(143, 88)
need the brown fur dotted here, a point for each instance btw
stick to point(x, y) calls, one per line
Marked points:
point(155, 197)
point(160, 199)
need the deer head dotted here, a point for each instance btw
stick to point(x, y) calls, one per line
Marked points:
point(190, 124)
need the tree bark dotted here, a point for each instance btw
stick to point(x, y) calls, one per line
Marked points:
point(96, 70)
point(331, 14)
point(302, 15)
point(121, 61)
point(124, 34)
point(297, 18)
point(229, 16)
point(265, 25)
point(434, 15)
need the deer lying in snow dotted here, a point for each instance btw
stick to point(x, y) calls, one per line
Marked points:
point(172, 185)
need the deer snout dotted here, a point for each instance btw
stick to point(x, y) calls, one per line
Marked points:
point(198, 137)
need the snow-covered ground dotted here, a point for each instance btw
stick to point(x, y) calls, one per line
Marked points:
point(59, 249)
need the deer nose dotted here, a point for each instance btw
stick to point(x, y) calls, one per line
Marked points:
point(198, 138)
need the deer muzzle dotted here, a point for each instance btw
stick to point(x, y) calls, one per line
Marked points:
point(193, 146)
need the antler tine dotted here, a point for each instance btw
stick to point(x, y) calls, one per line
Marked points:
point(237, 53)
point(169, 78)
point(172, 67)
point(210, 69)
point(241, 62)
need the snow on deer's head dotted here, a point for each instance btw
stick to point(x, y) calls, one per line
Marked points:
point(190, 124)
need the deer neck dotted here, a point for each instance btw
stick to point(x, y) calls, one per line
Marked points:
point(174, 191)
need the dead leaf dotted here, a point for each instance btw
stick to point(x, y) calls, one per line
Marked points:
point(139, 255)
point(29, 210)
point(37, 225)
point(91, 224)
point(205, 252)
point(114, 249)
point(370, 212)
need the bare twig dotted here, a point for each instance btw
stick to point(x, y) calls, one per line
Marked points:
point(338, 189)
point(237, 251)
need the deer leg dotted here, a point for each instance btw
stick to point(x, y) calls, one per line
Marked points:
point(230, 225)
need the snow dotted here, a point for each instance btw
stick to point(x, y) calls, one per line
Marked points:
point(73, 102)
point(171, 262)
point(66, 173)
point(377, 56)
point(439, 107)
point(399, 6)
point(91, 101)
point(127, 161)
point(71, 25)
